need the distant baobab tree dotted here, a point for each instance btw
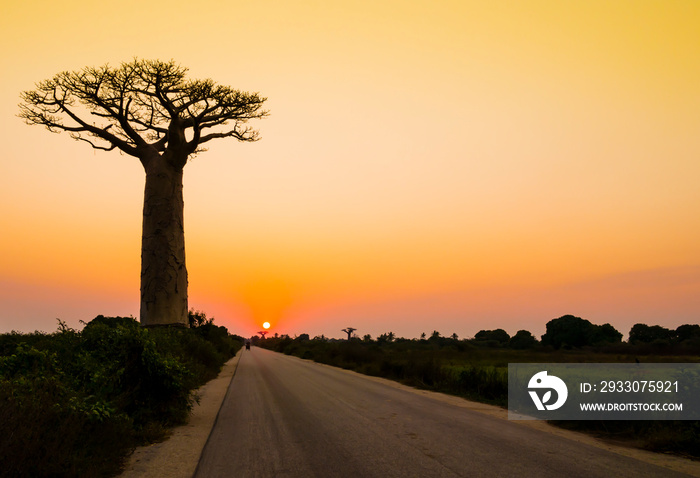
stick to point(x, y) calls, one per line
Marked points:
point(349, 331)
point(263, 333)
point(149, 110)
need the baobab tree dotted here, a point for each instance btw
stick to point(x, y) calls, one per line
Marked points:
point(349, 331)
point(152, 111)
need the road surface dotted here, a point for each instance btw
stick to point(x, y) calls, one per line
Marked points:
point(286, 417)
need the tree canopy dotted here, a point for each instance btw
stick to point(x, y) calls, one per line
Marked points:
point(523, 339)
point(642, 333)
point(498, 336)
point(142, 106)
point(573, 331)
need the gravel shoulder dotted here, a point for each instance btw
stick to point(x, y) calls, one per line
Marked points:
point(177, 456)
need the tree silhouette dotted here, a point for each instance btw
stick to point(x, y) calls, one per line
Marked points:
point(688, 332)
point(523, 339)
point(149, 110)
point(263, 333)
point(384, 338)
point(642, 333)
point(349, 331)
point(498, 336)
point(572, 331)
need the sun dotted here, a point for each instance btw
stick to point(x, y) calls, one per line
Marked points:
point(266, 325)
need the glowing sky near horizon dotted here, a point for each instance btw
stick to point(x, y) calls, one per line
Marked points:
point(427, 165)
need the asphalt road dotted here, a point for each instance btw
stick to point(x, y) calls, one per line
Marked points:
point(286, 417)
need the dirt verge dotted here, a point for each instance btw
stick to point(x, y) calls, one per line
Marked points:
point(178, 455)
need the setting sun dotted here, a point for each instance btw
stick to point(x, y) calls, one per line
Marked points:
point(266, 325)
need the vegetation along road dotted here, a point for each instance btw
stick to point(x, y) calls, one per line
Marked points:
point(286, 417)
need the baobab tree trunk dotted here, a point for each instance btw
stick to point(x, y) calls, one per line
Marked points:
point(163, 271)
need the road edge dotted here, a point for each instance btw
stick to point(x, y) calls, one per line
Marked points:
point(178, 456)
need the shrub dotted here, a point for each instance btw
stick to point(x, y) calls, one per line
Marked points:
point(50, 428)
point(75, 403)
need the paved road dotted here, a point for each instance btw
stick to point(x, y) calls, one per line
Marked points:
point(285, 417)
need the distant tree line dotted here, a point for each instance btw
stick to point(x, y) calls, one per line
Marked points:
point(570, 331)
point(566, 332)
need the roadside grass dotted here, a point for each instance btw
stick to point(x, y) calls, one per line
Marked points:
point(75, 403)
point(479, 372)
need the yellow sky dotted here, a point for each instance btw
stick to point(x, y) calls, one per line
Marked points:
point(426, 165)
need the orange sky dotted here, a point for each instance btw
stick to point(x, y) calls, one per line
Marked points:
point(427, 165)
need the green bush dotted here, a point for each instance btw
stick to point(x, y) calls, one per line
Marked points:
point(74, 403)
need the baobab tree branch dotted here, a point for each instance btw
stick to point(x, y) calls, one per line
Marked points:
point(128, 129)
point(246, 135)
point(80, 138)
point(47, 112)
point(147, 125)
point(54, 106)
point(101, 133)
